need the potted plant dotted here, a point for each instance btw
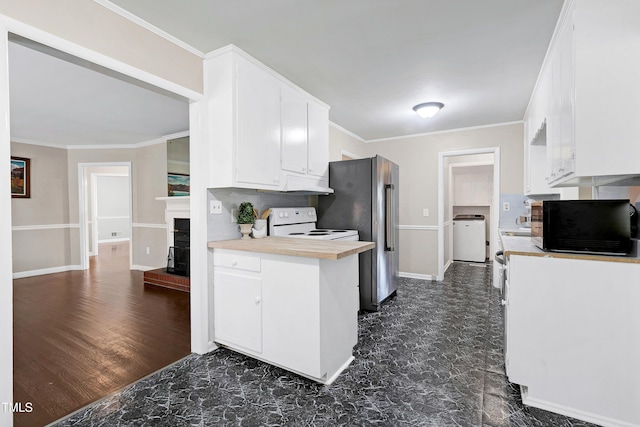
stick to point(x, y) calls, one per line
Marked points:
point(246, 218)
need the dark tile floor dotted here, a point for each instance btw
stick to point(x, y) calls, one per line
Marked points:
point(431, 357)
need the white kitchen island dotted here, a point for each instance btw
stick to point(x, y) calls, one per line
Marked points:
point(289, 302)
point(572, 332)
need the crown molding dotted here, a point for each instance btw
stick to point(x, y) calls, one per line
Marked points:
point(417, 135)
point(149, 27)
point(142, 144)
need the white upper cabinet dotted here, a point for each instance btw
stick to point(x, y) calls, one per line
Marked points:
point(318, 128)
point(294, 130)
point(263, 131)
point(258, 126)
point(473, 186)
point(588, 92)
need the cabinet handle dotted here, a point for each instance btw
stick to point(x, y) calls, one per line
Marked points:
point(234, 263)
point(503, 302)
point(276, 180)
point(257, 300)
point(304, 169)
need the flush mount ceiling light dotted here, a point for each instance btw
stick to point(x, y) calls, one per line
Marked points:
point(428, 109)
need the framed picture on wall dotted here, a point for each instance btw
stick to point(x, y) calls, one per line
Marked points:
point(178, 184)
point(20, 177)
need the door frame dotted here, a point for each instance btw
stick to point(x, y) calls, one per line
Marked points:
point(89, 182)
point(197, 122)
point(495, 218)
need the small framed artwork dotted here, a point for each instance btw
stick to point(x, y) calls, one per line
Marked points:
point(178, 184)
point(20, 177)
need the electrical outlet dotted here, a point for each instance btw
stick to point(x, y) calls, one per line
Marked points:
point(215, 207)
point(425, 212)
point(505, 206)
point(234, 214)
point(148, 250)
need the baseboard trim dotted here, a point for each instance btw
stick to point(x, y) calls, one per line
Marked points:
point(43, 271)
point(575, 413)
point(416, 276)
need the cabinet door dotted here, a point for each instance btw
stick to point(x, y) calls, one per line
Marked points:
point(318, 140)
point(238, 310)
point(294, 130)
point(258, 126)
point(561, 121)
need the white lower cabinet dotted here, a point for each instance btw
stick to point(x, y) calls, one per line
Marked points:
point(239, 323)
point(297, 313)
point(571, 336)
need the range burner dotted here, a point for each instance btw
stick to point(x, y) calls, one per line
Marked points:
point(301, 223)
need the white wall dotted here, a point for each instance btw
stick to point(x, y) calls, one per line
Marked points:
point(112, 207)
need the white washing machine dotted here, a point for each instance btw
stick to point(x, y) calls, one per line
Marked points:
point(469, 238)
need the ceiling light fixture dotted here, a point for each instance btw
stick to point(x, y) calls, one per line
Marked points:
point(428, 109)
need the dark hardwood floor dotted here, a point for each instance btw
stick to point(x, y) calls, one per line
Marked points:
point(79, 336)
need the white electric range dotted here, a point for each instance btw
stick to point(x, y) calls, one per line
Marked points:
point(301, 223)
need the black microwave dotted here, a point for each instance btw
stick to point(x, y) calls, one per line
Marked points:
point(590, 226)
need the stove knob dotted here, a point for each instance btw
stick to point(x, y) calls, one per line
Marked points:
point(286, 214)
point(281, 214)
point(310, 213)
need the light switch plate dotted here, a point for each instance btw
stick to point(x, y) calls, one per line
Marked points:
point(234, 214)
point(425, 212)
point(505, 206)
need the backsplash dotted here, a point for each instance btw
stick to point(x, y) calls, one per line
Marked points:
point(220, 227)
point(516, 208)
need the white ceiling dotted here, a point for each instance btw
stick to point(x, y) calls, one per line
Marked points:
point(371, 60)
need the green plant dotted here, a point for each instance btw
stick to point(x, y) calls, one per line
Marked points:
point(246, 214)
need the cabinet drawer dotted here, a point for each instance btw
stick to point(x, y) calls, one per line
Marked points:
point(236, 261)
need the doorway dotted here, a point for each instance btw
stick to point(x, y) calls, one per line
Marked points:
point(475, 158)
point(105, 201)
point(105, 293)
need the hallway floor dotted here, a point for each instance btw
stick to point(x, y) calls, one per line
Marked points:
point(431, 357)
point(82, 335)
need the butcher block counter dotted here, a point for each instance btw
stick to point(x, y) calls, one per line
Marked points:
point(521, 245)
point(290, 302)
point(309, 248)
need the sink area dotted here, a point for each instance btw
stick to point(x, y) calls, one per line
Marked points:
point(516, 232)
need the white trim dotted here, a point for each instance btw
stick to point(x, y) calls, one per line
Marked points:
point(589, 417)
point(418, 227)
point(43, 271)
point(123, 239)
point(56, 42)
point(163, 139)
point(149, 27)
point(348, 132)
point(43, 227)
point(148, 225)
point(112, 217)
point(416, 276)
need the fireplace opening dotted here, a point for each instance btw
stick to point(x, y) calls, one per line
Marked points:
point(178, 258)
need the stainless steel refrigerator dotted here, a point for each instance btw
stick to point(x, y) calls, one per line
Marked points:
point(365, 198)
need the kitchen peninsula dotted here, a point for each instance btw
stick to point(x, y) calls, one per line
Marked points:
point(571, 323)
point(289, 302)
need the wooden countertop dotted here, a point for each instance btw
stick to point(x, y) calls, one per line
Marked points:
point(521, 245)
point(309, 248)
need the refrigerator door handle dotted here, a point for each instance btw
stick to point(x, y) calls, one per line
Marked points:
point(390, 210)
